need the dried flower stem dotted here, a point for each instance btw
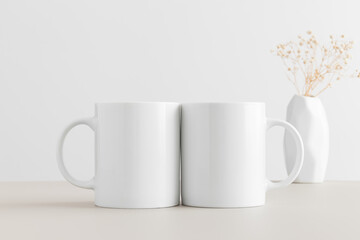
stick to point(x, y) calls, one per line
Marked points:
point(317, 64)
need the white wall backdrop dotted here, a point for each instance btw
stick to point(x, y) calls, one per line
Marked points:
point(58, 57)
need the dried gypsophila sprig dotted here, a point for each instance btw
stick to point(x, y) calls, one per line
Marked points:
point(318, 65)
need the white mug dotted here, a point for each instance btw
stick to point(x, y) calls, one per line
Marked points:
point(137, 155)
point(223, 154)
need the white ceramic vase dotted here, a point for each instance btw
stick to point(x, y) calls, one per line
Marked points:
point(307, 115)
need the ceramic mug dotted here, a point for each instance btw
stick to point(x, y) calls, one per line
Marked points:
point(137, 155)
point(223, 154)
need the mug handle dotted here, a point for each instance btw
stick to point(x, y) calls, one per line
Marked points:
point(299, 153)
point(91, 122)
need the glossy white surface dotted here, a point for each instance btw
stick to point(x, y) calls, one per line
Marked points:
point(223, 154)
point(308, 115)
point(58, 211)
point(137, 155)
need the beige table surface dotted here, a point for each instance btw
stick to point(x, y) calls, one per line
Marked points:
point(58, 210)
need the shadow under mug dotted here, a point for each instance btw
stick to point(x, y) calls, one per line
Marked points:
point(137, 155)
point(223, 154)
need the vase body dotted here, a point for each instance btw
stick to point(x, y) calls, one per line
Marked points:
point(308, 116)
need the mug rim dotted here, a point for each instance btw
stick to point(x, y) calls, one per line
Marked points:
point(224, 103)
point(136, 102)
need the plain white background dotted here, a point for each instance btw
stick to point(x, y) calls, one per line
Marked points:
point(58, 57)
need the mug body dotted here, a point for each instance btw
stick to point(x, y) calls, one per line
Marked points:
point(223, 154)
point(137, 155)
